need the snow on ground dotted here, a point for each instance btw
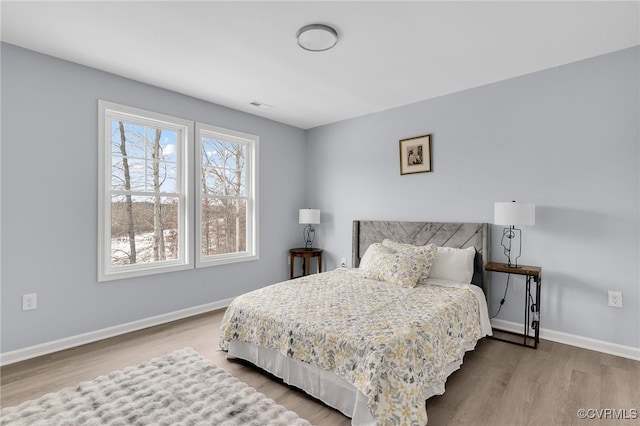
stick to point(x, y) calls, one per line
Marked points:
point(144, 248)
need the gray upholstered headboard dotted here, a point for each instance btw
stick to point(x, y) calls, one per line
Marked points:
point(448, 234)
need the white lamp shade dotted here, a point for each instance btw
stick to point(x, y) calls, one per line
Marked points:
point(309, 216)
point(512, 213)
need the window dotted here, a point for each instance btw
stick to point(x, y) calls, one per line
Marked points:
point(144, 212)
point(226, 217)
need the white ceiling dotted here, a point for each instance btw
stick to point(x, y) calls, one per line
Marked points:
point(389, 53)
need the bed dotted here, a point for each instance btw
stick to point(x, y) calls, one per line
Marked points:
point(373, 345)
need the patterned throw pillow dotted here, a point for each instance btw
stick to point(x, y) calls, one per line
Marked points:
point(402, 268)
point(371, 252)
point(430, 250)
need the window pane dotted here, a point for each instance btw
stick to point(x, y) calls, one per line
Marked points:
point(216, 185)
point(168, 181)
point(234, 182)
point(143, 158)
point(168, 144)
point(137, 174)
point(132, 137)
point(224, 226)
point(143, 229)
point(159, 176)
point(117, 173)
point(223, 167)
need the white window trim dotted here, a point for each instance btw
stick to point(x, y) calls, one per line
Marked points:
point(252, 188)
point(184, 158)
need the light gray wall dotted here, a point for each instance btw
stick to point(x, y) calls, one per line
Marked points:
point(566, 139)
point(49, 203)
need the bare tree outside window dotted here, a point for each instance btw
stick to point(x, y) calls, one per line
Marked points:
point(129, 202)
point(172, 193)
point(226, 220)
point(224, 196)
point(144, 202)
point(145, 190)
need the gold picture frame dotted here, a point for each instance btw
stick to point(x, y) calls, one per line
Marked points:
point(415, 155)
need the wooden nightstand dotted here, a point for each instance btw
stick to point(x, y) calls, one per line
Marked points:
point(532, 310)
point(306, 255)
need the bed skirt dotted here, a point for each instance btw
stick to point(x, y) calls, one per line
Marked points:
point(321, 384)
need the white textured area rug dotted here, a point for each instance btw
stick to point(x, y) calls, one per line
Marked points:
point(182, 388)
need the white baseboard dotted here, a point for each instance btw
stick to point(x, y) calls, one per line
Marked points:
point(105, 333)
point(573, 340)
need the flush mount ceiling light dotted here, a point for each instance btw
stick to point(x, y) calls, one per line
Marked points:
point(317, 37)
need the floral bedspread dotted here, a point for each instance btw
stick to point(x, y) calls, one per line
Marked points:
point(390, 342)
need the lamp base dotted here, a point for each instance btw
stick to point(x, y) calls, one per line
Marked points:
point(309, 235)
point(511, 265)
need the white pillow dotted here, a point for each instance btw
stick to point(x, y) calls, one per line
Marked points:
point(453, 264)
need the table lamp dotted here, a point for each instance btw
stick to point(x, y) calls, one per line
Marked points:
point(309, 217)
point(512, 214)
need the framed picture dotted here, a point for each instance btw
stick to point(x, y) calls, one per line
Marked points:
point(415, 155)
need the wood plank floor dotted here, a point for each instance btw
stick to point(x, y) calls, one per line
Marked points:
point(498, 384)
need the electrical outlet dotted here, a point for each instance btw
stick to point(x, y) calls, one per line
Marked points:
point(343, 262)
point(29, 301)
point(615, 299)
